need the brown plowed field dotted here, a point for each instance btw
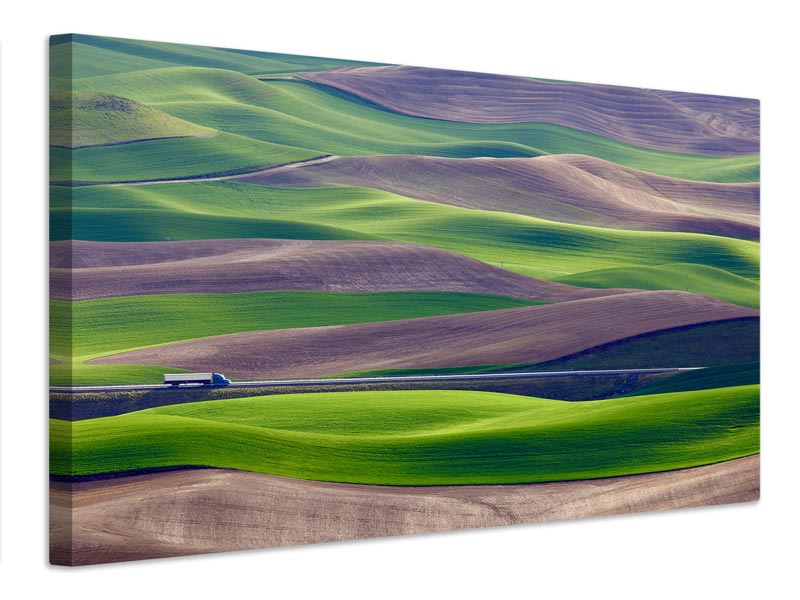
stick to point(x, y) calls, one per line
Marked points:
point(649, 118)
point(572, 189)
point(518, 335)
point(108, 269)
point(208, 510)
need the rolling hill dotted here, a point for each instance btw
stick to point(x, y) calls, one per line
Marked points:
point(419, 438)
point(92, 119)
point(82, 270)
point(638, 116)
point(543, 187)
point(529, 334)
point(300, 114)
point(526, 245)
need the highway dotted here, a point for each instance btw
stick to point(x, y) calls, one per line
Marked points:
point(355, 381)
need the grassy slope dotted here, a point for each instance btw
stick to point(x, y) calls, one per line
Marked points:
point(90, 328)
point(83, 60)
point(171, 158)
point(515, 242)
point(699, 279)
point(110, 324)
point(420, 438)
point(713, 377)
point(304, 115)
point(84, 119)
point(94, 49)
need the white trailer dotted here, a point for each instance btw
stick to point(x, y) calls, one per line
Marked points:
point(177, 379)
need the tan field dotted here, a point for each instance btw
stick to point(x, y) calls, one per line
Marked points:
point(568, 189)
point(109, 269)
point(518, 335)
point(213, 510)
point(649, 118)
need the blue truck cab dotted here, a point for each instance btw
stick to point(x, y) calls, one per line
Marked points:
point(219, 379)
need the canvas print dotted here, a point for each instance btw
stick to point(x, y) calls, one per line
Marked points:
point(299, 299)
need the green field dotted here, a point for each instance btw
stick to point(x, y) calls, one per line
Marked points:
point(93, 55)
point(91, 328)
point(526, 245)
point(304, 115)
point(420, 438)
point(222, 154)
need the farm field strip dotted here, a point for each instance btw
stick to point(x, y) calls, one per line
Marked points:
point(547, 187)
point(522, 244)
point(529, 334)
point(81, 270)
point(111, 324)
point(420, 438)
point(90, 329)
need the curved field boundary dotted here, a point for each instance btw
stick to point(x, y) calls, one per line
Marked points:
point(546, 187)
point(220, 176)
point(648, 118)
point(136, 141)
point(82, 270)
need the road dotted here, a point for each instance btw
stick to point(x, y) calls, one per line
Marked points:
point(351, 381)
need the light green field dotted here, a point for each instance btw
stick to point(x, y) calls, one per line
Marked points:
point(420, 438)
point(222, 154)
point(305, 115)
point(103, 55)
point(110, 324)
point(91, 328)
point(85, 119)
point(526, 245)
point(695, 278)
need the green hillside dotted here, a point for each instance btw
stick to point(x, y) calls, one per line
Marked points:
point(113, 324)
point(305, 115)
point(87, 329)
point(695, 278)
point(93, 54)
point(420, 438)
point(517, 243)
point(222, 154)
point(86, 119)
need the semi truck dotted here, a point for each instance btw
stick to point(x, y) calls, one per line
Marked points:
point(176, 379)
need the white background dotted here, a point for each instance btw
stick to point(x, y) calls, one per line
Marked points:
point(727, 48)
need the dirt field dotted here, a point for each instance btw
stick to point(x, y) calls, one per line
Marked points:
point(208, 510)
point(108, 269)
point(580, 190)
point(518, 335)
point(649, 118)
